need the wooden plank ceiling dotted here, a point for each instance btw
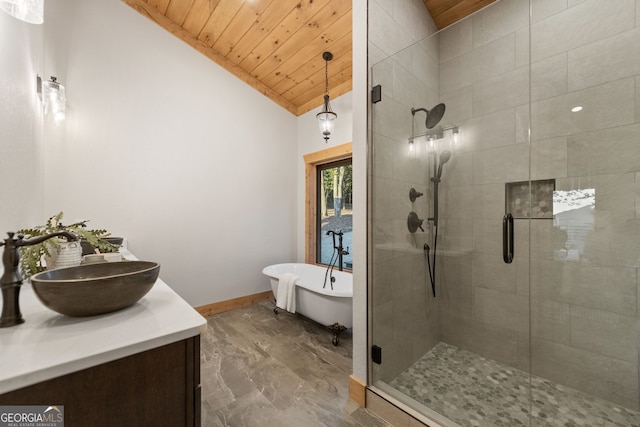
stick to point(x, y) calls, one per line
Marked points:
point(275, 46)
point(446, 12)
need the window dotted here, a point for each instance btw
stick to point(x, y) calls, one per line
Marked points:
point(334, 213)
point(328, 186)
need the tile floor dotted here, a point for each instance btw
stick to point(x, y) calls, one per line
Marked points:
point(263, 369)
point(474, 391)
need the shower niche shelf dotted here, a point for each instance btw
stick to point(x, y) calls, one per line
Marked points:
point(541, 205)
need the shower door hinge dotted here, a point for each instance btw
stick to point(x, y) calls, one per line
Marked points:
point(376, 94)
point(376, 354)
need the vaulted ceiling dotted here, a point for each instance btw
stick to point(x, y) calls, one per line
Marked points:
point(276, 46)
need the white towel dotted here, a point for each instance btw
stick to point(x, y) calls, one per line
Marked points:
point(291, 294)
point(286, 298)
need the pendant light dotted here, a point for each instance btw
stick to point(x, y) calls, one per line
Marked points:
point(30, 11)
point(326, 117)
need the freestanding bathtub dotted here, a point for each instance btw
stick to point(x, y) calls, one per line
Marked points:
point(326, 306)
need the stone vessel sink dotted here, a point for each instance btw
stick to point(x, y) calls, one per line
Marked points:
point(92, 289)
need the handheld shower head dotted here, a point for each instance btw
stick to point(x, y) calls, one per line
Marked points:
point(444, 158)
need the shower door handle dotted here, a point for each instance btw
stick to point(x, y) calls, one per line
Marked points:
point(507, 238)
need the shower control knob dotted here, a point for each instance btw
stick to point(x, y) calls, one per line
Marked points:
point(413, 222)
point(413, 194)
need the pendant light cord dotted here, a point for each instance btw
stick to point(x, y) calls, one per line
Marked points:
point(326, 77)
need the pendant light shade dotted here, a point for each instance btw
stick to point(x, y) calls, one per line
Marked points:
point(326, 117)
point(30, 11)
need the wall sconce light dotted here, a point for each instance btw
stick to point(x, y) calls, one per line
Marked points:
point(326, 117)
point(438, 133)
point(433, 136)
point(53, 99)
point(412, 147)
point(30, 11)
point(455, 132)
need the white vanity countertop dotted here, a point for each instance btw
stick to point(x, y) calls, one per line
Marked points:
point(49, 345)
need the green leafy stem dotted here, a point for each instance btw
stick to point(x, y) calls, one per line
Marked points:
point(31, 256)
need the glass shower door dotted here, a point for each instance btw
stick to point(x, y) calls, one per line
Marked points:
point(450, 317)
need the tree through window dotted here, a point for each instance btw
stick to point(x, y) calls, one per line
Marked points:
point(334, 191)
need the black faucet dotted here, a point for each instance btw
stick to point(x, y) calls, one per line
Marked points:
point(339, 247)
point(11, 279)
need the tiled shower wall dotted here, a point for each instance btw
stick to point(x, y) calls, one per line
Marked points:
point(484, 81)
point(592, 311)
point(405, 321)
point(573, 319)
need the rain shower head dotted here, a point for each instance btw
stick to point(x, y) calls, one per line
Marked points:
point(433, 116)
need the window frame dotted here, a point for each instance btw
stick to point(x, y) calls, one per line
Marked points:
point(312, 161)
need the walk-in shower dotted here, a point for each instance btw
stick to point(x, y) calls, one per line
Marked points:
point(547, 334)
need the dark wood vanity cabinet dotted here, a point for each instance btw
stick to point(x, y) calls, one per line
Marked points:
point(158, 387)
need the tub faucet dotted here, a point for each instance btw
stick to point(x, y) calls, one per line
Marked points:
point(11, 279)
point(339, 248)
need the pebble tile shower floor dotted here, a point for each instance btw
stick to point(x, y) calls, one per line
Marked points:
point(474, 391)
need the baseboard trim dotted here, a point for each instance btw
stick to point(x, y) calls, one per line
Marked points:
point(357, 391)
point(231, 304)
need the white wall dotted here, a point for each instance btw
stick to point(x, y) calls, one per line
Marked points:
point(163, 146)
point(20, 124)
